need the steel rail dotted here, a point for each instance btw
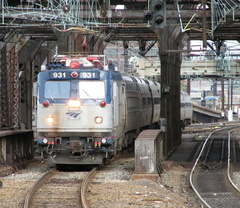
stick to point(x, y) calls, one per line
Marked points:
point(196, 163)
point(84, 187)
point(39, 182)
point(229, 163)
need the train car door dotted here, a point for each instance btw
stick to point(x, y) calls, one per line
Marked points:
point(117, 105)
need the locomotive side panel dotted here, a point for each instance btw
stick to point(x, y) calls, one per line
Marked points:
point(118, 114)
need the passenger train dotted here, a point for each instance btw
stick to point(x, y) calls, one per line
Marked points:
point(186, 109)
point(87, 112)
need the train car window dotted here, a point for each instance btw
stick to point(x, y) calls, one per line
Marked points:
point(156, 101)
point(144, 101)
point(91, 89)
point(123, 89)
point(57, 90)
point(133, 104)
point(149, 101)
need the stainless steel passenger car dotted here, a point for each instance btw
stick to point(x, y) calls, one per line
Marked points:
point(186, 109)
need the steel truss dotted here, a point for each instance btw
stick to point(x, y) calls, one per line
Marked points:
point(66, 13)
point(220, 9)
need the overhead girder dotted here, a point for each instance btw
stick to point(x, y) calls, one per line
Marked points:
point(130, 21)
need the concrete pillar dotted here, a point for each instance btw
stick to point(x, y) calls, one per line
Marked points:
point(148, 149)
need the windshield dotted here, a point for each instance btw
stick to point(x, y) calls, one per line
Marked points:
point(92, 90)
point(57, 90)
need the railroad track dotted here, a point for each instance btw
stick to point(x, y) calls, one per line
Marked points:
point(60, 189)
point(210, 176)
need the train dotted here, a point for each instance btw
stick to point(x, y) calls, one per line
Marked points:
point(88, 111)
point(186, 109)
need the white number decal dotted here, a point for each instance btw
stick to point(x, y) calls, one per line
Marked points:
point(88, 75)
point(59, 75)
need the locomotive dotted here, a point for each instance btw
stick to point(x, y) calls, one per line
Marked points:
point(87, 112)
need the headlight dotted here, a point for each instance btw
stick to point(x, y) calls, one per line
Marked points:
point(74, 103)
point(98, 120)
point(104, 140)
point(50, 120)
point(45, 141)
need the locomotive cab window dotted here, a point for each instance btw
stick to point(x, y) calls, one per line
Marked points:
point(91, 89)
point(57, 90)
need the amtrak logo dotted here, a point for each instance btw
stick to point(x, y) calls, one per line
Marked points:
point(74, 114)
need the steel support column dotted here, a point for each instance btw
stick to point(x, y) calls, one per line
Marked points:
point(222, 96)
point(13, 88)
point(4, 118)
point(170, 82)
point(9, 85)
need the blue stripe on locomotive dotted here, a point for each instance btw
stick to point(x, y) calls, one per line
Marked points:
point(107, 76)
